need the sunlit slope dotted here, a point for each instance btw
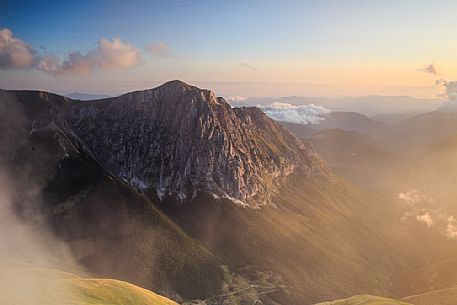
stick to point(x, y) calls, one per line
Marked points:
point(103, 291)
point(446, 296)
point(365, 300)
point(356, 156)
point(326, 241)
point(22, 284)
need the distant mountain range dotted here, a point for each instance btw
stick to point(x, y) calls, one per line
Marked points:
point(387, 109)
point(350, 121)
point(85, 96)
point(367, 105)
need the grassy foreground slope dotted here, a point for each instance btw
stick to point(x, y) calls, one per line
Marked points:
point(114, 292)
point(365, 300)
point(446, 296)
point(22, 284)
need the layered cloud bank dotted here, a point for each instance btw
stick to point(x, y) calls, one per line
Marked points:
point(301, 114)
point(109, 54)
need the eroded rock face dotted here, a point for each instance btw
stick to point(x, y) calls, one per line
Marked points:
point(177, 140)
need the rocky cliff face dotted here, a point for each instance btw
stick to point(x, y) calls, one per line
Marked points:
point(177, 140)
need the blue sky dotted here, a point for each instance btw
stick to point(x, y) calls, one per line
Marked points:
point(331, 47)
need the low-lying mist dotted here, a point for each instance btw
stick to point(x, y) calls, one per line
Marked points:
point(30, 254)
point(25, 237)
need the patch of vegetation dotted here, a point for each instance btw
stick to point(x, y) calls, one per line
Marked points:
point(365, 300)
point(25, 284)
point(447, 296)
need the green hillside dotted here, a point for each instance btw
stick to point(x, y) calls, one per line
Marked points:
point(365, 300)
point(446, 296)
point(23, 284)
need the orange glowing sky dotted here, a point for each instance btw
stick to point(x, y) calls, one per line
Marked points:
point(247, 48)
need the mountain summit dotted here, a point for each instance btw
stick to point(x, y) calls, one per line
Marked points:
point(177, 140)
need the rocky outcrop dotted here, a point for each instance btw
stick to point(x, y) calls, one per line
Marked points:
point(177, 140)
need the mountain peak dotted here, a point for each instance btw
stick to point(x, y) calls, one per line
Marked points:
point(176, 83)
point(178, 86)
point(175, 90)
point(177, 140)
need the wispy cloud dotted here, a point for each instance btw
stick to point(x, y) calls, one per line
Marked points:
point(158, 49)
point(247, 66)
point(109, 54)
point(429, 69)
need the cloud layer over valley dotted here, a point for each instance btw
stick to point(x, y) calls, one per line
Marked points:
point(298, 114)
point(447, 92)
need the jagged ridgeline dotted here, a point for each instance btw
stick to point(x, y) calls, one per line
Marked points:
point(177, 140)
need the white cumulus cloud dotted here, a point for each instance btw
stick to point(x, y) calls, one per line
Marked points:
point(116, 54)
point(299, 114)
point(14, 53)
point(158, 49)
point(109, 54)
point(447, 90)
point(235, 100)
